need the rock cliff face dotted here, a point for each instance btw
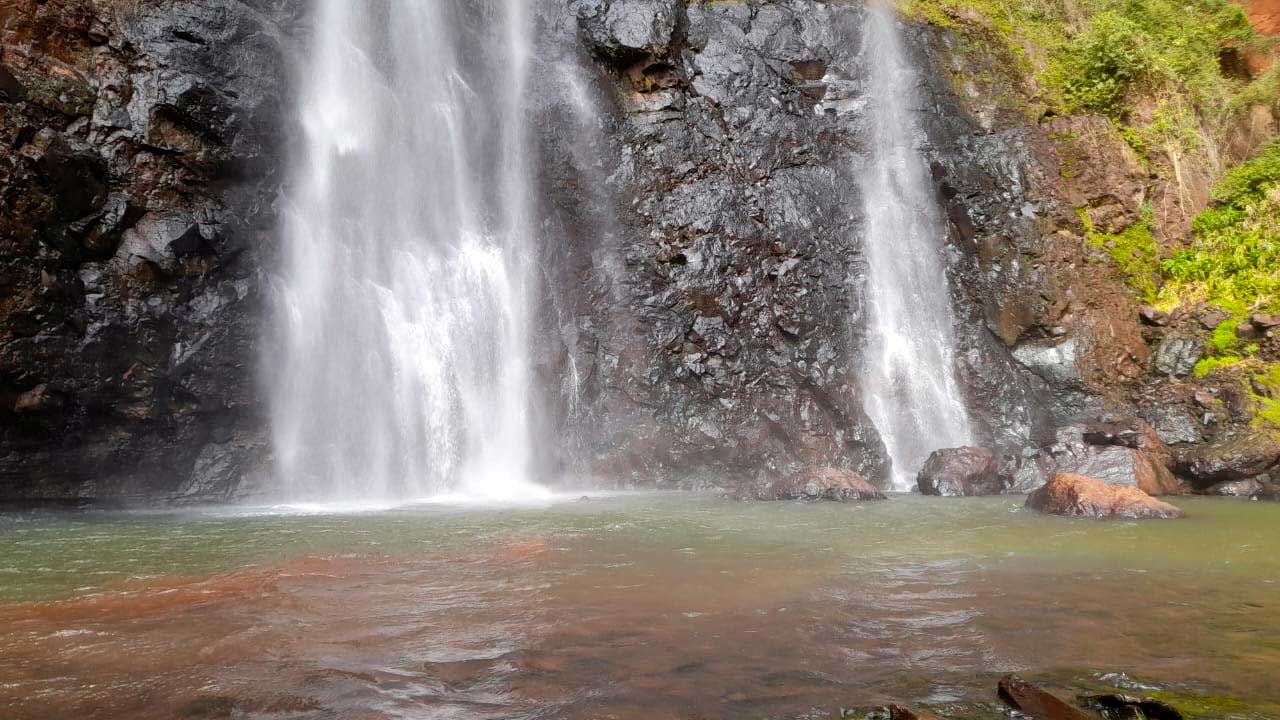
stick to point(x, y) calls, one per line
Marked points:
point(139, 163)
point(701, 309)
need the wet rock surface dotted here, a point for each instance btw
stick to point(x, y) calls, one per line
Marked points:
point(1080, 496)
point(960, 472)
point(813, 484)
point(700, 299)
point(141, 158)
point(1128, 707)
point(1242, 457)
point(1035, 702)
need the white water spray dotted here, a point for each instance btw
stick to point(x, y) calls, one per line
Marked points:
point(910, 387)
point(403, 306)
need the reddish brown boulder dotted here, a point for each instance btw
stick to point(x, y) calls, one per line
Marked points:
point(1031, 700)
point(1080, 496)
point(960, 472)
point(816, 483)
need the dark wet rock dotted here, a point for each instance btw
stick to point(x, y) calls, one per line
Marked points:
point(822, 483)
point(1177, 355)
point(1173, 424)
point(141, 180)
point(1053, 360)
point(1235, 488)
point(1127, 707)
point(1153, 317)
point(960, 472)
point(223, 469)
point(1130, 432)
point(1028, 470)
point(1235, 458)
point(1080, 496)
point(1034, 701)
point(628, 28)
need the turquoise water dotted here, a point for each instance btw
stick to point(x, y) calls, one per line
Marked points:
point(669, 605)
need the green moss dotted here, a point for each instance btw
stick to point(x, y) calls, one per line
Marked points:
point(1224, 340)
point(1211, 364)
point(1133, 250)
point(1267, 406)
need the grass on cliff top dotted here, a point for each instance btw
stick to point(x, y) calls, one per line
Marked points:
point(1090, 55)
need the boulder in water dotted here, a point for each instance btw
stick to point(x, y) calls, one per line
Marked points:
point(1080, 496)
point(960, 472)
point(817, 483)
point(1035, 702)
point(1238, 458)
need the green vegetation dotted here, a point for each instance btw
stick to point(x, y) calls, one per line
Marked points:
point(1088, 54)
point(1134, 251)
point(1234, 259)
point(1264, 388)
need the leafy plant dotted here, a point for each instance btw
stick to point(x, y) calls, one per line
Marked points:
point(1133, 250)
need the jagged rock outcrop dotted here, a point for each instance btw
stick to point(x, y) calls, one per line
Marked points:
point(139, 159)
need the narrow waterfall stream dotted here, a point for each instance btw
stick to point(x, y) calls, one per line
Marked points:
point(909, 380)
point(403, 305)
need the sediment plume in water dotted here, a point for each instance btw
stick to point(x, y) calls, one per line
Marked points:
point(400, 366)
point(909, 383)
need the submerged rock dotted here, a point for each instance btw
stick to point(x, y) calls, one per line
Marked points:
point(897, 712)
point(1080, 496)
point(1125, 707)
point(960, 472)
point(1031, 700)
point(819, 483)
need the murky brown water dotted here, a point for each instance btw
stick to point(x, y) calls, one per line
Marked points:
point(651, 606)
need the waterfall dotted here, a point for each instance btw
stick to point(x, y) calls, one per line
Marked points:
point(910, 389)
point(401, 366)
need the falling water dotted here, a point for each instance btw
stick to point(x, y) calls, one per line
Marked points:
point(911, 393)
point(403, 306)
